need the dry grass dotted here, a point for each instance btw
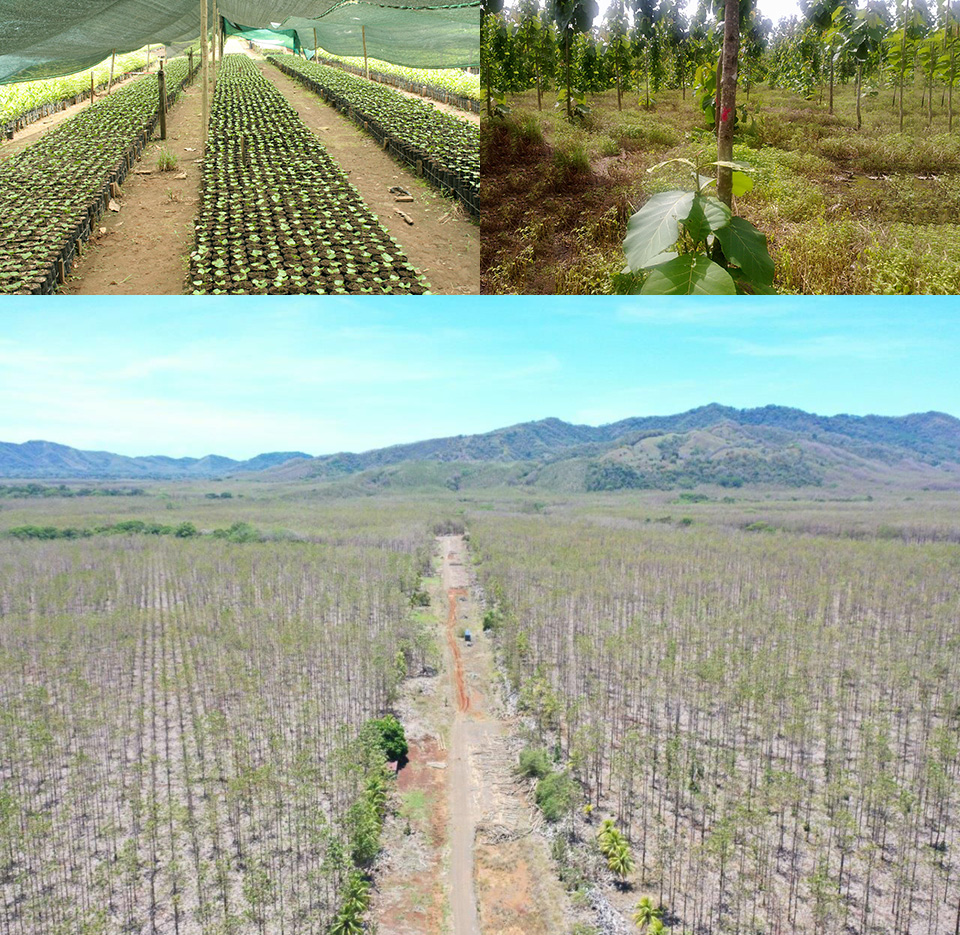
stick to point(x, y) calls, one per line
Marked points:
point(845, 211)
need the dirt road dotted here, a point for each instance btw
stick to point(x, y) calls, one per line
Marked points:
point(463, 813)
point(501, 881)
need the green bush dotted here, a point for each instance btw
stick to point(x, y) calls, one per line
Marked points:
point(555, 795)
point(535, 763)
point(391, 737)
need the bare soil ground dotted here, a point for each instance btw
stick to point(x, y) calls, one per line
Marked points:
point(500, 866)
point(442, 242)
point(144, 248)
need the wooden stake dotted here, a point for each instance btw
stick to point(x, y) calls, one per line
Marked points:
point(204, 69)
point(113, 61)
point(148, 56)
point(92, 92)
point(315, 46)
point(366, 67)
point(162, 81)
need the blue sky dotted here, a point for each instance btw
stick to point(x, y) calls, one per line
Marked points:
point(237, 377)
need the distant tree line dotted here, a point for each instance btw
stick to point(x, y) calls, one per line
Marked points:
point(238, 532)
point(23, 491)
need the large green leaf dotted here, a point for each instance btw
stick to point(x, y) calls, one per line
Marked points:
point(742, 183)
point(744, 246)
point(690, 274)
point(696, 223)
point(655, 228)
point(717, 213)
point(707, 214)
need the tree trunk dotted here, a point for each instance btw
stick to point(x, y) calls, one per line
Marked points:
point(619, 91)
point(728, 99)
point(859, 75)
point(831, 78)
point(903, 69)
point(566, 68)
point(539, 91)
point(950, 97)
point(483, 32)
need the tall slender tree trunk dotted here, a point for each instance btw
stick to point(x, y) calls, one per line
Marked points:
point(903, 70)
point(566, 68)
point(619, 91)
point(728, 99)
point(859, 76)
point(831, 78)
point(950, 94)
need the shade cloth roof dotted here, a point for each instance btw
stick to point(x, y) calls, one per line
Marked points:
point(60, 37)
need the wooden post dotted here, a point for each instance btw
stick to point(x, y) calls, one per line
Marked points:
point(204, 69)
point(162, 81)
point(366, 67)
point(113, 61)
point(91, 87)
point(315, 46)
point(190, 66)
point(148, 56)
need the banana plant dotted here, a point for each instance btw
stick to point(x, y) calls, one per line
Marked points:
point(691, 243)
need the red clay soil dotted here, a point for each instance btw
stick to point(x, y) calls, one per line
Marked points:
point(463, 696)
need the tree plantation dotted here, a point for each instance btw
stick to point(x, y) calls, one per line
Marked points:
point(772, 719)
point(182, 743)
point(843, 120)
point(713, 711)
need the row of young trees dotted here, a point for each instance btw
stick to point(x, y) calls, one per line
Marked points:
point(641, 47)
point(181, 729)
point(774, 720)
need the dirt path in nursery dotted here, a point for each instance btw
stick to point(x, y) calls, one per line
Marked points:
point(500, 877)
point(143, 248)
point(33, 131)
point(442, 243)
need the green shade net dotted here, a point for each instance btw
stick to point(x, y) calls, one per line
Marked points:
point(446, 37)
point(270, 38)
point(61, 37)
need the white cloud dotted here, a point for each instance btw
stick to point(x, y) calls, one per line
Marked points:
point(828, 347)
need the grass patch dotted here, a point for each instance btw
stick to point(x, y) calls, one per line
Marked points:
point(415, 807)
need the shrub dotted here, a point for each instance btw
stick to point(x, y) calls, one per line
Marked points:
point(555, 795)
point(535, 763)
point(391, 737)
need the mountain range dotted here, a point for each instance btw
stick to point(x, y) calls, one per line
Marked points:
point(712, 444)
point(40, 459)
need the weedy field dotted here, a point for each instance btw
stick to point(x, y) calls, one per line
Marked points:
point(844, 211)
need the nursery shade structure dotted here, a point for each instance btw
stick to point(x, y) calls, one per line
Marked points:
point(62, 37)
